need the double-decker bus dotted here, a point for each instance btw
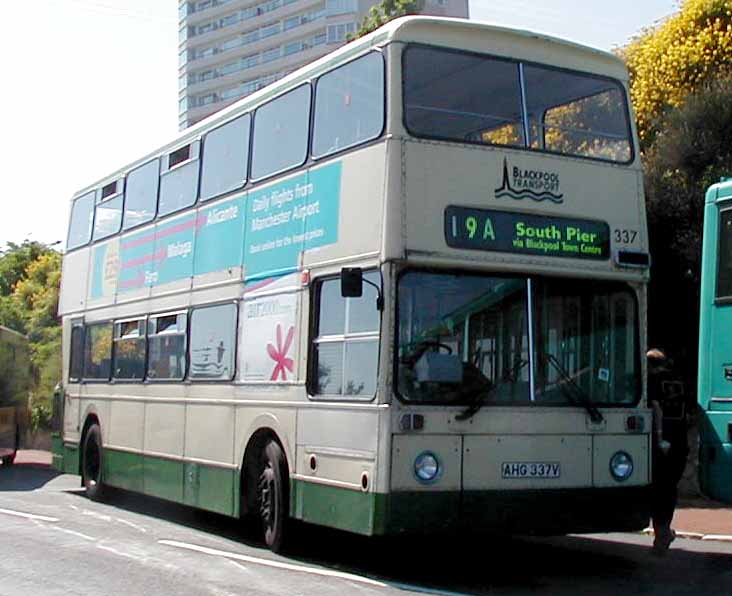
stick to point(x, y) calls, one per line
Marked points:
point(714, 392)
point(14, 383)
point(403, 289)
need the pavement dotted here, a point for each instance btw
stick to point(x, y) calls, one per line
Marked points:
point(700, 518)
point(33, 457)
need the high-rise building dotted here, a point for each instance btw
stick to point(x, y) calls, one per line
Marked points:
point(231, 48)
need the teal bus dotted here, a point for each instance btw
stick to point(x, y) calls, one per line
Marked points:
point(715, 346)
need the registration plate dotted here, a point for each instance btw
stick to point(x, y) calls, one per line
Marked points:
point(530, 470)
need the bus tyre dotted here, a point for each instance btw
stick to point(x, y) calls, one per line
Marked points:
point(9, 460)
point(91, 463)
point(273, 496)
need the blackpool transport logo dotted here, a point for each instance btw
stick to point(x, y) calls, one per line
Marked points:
point(536, 185)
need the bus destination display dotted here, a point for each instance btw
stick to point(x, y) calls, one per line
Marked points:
point(503, 231)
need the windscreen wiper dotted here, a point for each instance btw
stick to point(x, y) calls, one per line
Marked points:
point(579, 397)
point(480, 398)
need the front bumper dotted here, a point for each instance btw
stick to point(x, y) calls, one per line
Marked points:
point(537, 512)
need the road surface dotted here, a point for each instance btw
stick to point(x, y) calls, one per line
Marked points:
point(55, 541)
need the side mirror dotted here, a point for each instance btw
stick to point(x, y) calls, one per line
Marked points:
point(351, 282)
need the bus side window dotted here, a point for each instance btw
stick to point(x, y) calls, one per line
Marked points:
point(166, 354)
point(349, 105)
point(141, 194)
point(98, 352)
point(129, 350)
point(280, 137)
point(345, 345)
point(179, 179)
point(225, 157)
point(82, 216)
point(213, 342)
point(108, 218)
point(76, 361)
point(724, 267)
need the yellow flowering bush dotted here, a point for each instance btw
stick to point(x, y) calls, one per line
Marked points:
point(673, 59)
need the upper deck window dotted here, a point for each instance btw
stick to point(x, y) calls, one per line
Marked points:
point(225, 157)
point(349, 105)
point(179, 179)
point(462, 97)
point(473, 98)
point(108, 217)
point(576, 114)
point(141, 194)
point(82, 215)
point(281, 128)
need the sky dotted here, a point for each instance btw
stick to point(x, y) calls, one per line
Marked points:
point(91, 85)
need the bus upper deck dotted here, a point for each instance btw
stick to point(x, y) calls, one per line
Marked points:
point(509, 150)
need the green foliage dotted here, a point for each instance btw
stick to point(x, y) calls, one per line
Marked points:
point(14, 261)
point(30, 275)
point(40, 417)
point(690, 152)
point(385, 11)
point(672, 60)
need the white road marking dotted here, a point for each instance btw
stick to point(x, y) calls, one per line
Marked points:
point(240, 566)
point(119, 552)
point(274, 564)
point(424, 590)
point(96, 515)
point(77, 534)
point(720, 537)
point(690, 535)
point(129, 523)
point(29, 515)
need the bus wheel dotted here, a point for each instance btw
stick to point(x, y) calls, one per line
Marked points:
point(273, 496)
point(9, 460)
point(91, 463)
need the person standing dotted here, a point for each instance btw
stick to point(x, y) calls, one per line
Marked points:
point(670, 444)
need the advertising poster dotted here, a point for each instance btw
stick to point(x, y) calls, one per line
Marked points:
point(269, 344)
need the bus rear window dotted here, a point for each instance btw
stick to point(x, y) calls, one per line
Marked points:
point(472, 98)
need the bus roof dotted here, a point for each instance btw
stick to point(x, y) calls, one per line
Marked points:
point(438, 31)
point(722, 190)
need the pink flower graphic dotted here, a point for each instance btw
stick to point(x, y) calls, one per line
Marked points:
point(279, 354)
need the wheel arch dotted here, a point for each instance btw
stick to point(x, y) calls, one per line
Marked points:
point(264, 430)
point(90, 417)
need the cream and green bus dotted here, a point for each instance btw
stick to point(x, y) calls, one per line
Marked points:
point(400, 290)
point(15, 375)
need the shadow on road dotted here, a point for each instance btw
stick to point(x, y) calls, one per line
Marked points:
point(467, 564)
point(476, 564)
point(25, 477)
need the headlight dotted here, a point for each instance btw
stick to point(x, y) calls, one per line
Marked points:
point(426, 467)
point(621, 466)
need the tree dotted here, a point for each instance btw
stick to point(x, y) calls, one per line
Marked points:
point(30, 276)
point(386, 10)
point(672, 60)
point(690, 152)
point(14, 260)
